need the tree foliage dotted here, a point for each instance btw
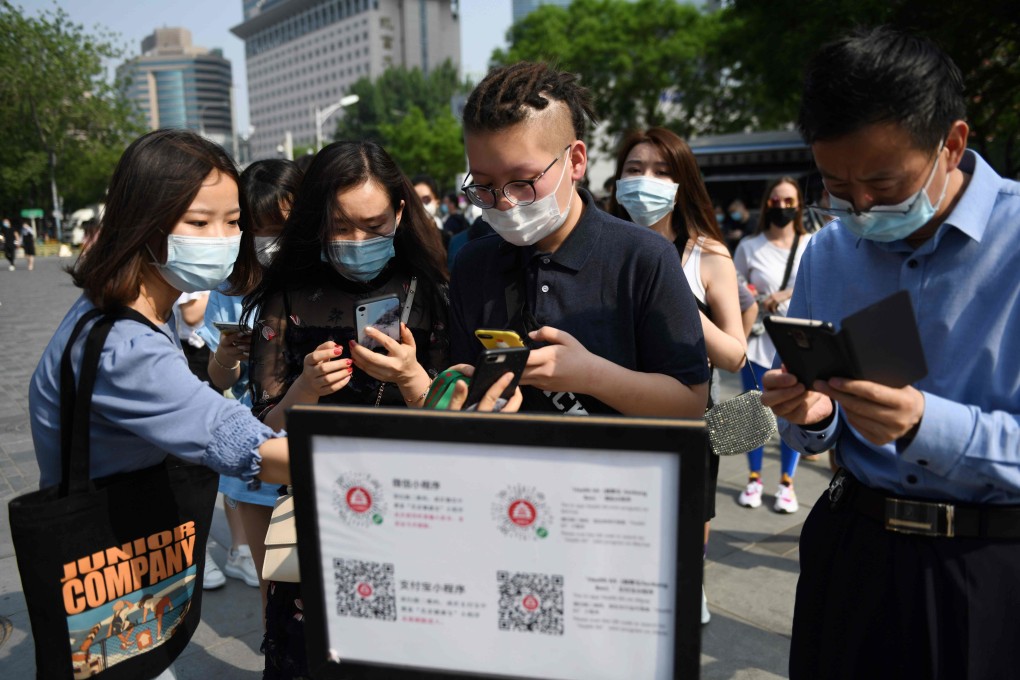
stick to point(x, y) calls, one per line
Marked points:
point(60, 117)
point(660, 62)
point(771, 43)
point(409, 114)
point(650, 62)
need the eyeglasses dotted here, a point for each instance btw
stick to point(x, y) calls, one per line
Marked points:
point(519, 192)
point(788, 202)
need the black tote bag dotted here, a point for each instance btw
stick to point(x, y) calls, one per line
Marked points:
point(111, 568)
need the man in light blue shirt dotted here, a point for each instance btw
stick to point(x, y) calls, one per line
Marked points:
point(910, 563)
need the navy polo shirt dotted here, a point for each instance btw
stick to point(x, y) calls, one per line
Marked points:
point(616, 287)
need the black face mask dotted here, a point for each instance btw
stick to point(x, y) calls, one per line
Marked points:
point(780, 217)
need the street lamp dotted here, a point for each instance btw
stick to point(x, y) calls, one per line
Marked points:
point(322, 114)
point(201, 113)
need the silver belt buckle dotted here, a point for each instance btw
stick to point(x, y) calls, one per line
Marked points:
point(915, 517)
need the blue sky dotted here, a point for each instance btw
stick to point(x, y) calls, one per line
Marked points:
point(483, 28)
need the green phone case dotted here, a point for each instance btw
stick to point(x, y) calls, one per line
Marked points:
point(442, 389)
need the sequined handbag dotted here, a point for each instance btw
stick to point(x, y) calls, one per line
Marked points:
point(740, 424)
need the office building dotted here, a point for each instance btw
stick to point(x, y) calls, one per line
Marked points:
point(176, 84)
point(305, 54)
point(523, 8)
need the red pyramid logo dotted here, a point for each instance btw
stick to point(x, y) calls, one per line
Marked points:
point(522, 513)
point(359, 499)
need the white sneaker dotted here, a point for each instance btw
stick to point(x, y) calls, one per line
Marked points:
point(240, 565)
point(751, 496)
point(706, 615)
point(213, 578)
point(786, 500)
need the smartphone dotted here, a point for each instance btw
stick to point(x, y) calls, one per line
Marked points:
point(381, 313)
point(491, 365)
point(810, 350)
point(224, 327)
point(498, 339)
point(879, 343)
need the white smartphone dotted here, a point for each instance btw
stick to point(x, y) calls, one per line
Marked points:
point(225, 327)
point(382, 314)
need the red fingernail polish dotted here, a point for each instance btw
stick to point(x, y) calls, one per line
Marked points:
point(350, 362)
point(338, 350)
point(351, 370)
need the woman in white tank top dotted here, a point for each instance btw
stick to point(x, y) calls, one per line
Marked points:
point(658, 185)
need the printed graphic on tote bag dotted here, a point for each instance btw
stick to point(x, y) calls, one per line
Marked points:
point(127, 599)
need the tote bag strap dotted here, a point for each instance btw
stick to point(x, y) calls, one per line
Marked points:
point(67, 398)
point(75, 444)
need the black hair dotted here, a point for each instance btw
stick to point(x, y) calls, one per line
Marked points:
point(153, 185)
point(427, 181)
point(315, 215)
point(502, 99)
point(881, 75)
point(266, 186)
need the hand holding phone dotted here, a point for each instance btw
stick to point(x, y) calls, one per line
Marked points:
point(493, 364)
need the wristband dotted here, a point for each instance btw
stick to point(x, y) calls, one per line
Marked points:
point(226, 368)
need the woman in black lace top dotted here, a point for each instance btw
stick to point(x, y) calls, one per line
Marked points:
point(356, 231)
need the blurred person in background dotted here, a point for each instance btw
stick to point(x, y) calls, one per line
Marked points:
point(267, 190)
point(769, 261)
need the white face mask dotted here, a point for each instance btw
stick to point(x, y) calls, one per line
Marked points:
point(523, 225)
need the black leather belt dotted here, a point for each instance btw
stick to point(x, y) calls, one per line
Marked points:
point(926, 518)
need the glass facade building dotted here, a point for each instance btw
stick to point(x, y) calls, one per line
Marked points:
point(174, 84)
point(305, 54)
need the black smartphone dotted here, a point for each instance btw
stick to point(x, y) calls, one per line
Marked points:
point(491, 365)
point(879, 343)
point(809, 349)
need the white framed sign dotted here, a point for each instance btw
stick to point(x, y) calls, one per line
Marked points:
point(499, 545)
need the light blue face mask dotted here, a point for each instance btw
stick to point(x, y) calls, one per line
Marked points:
point(885, 223)
point(360, 260)
point(645, 199)
point(196, 263)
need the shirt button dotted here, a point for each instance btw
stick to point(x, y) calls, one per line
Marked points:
point(911, 479)
point(545, 260)
point(912, 264)
point(545, 289)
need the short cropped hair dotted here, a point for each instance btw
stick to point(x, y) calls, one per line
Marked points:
point(881, 75)
point(504, 97)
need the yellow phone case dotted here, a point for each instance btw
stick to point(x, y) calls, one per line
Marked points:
point(503, 339)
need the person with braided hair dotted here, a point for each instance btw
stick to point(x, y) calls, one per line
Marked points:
point(612, 322)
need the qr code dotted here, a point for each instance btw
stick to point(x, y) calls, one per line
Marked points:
point(365, 589)
point(530, 602)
